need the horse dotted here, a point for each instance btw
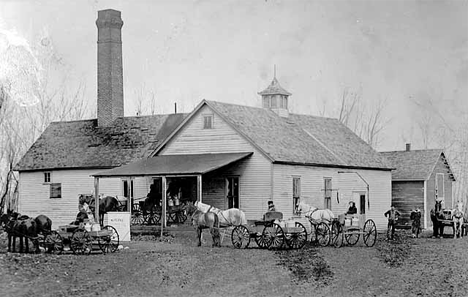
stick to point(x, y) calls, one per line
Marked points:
point(457, 219)
point(319, 215)
point(436, 215)
point(106, 204)
point(206, 220)
point(21, 226)
point(228, 217)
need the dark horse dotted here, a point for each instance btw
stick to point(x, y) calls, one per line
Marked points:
point(436, 216)
point(203, 221)
point(25, 227)
point(106, 204)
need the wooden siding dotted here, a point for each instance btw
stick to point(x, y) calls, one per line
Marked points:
point(344, 187)
point(34, 196)
point(430, 202)
point(406, 196)
point(254, 172)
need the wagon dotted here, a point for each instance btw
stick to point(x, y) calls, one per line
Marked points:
point(80, 240)
point(349, 228)
point(142, 215)
point(272, 232)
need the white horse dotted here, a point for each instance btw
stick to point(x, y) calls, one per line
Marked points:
point(228, 217)
point(457, 219)
point(318, 215)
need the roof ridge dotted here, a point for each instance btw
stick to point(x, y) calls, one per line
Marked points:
point(405, 151)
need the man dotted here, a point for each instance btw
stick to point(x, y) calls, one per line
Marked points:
point(416, 224)
point(393, 215)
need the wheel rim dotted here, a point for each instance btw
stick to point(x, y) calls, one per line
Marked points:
point(263, 240)
point(370, 233)
point(240, 237)
point(297, 240)
point(352, 237)
point(81, 242)
point(276, 235)
point(337, 234)
point(53, 243)
point(137, 218)
point(110, 242)
point(322, 233)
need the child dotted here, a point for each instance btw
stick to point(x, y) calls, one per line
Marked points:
point(393, 215)
point(271, 206)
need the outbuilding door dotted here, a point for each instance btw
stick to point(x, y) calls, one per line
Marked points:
point(360, 200)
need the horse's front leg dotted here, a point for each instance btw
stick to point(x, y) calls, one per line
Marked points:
point(9, 241)
point(199, 233)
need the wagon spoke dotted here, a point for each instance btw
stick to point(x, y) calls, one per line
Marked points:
point(53, 243)
point(81, 242)
point(322, 234)
point(296, 239)
point(109, 241)
point(276, 235)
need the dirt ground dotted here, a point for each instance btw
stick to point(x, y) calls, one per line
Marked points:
point(175, 266)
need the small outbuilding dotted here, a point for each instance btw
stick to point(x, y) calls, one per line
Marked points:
point(420, 177)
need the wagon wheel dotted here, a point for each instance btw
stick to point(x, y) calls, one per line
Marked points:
point(137, 218)
point(322, 234)
point(263, 240)
point(370, 233)
point(352, 236)
point(53, 243)
point(240, 237)
point(276, 235)
point(181, 217)
point(297, 240)
point(110, 242)
point(81, 242)
point(337, 234)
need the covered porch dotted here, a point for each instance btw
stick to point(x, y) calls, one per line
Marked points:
point(179, 179)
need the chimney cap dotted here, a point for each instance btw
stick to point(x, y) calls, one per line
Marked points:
point(109, 18)
point(408, 147)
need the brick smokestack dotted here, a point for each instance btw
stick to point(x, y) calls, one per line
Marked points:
point(110, 104)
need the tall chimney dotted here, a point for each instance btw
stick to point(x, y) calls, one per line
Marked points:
point(408, 147)
point(110, 103)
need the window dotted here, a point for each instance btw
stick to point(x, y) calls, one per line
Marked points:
point(274, 101)
point(127, 188)
point(208, 122)
point(266, 102)
point(56, 190)
point(284, 102)
point(46, 177)
point(439, 186)
point(296, 193)
point(327, 192)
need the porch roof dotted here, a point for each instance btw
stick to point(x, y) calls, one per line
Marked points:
point(175, 165)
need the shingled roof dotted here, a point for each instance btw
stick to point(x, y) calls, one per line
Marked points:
point(415, 164)
point(82, 144)
point(274, 88)
point(300, 139)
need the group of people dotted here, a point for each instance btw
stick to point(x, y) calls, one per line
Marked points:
point(393, 216)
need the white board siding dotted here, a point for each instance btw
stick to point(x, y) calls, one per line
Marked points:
point(345, 184)
point(253, 172)
point(34, 195)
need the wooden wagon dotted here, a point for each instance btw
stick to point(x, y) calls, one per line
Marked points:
point(272, 232)
point(349, 228)
point(82, 240)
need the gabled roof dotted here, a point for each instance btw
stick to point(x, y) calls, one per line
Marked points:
point(297, 139)
point(415, 164)
point(274, 88)
point(81, 144)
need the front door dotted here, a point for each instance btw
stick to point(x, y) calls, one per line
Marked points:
point(232, 192)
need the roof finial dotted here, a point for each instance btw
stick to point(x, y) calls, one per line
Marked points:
point(274, 71)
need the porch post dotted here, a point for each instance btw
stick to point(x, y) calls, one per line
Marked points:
point(129, 198)
point(96, 200)
point(199, 188)
point(164, 202)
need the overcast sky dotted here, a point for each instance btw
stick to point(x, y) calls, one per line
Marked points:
point(186, 51)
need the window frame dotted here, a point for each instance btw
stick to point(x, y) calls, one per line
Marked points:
point(437, 186)
point(52, 190)
point(47, 177)
point(327, 198)
point(205, 121)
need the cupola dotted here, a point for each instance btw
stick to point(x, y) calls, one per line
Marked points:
point(274, 97)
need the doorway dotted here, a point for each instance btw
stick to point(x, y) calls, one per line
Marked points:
point(232, 192)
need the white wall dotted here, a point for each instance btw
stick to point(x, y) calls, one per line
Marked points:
point(343, 184)
point(34, 194)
